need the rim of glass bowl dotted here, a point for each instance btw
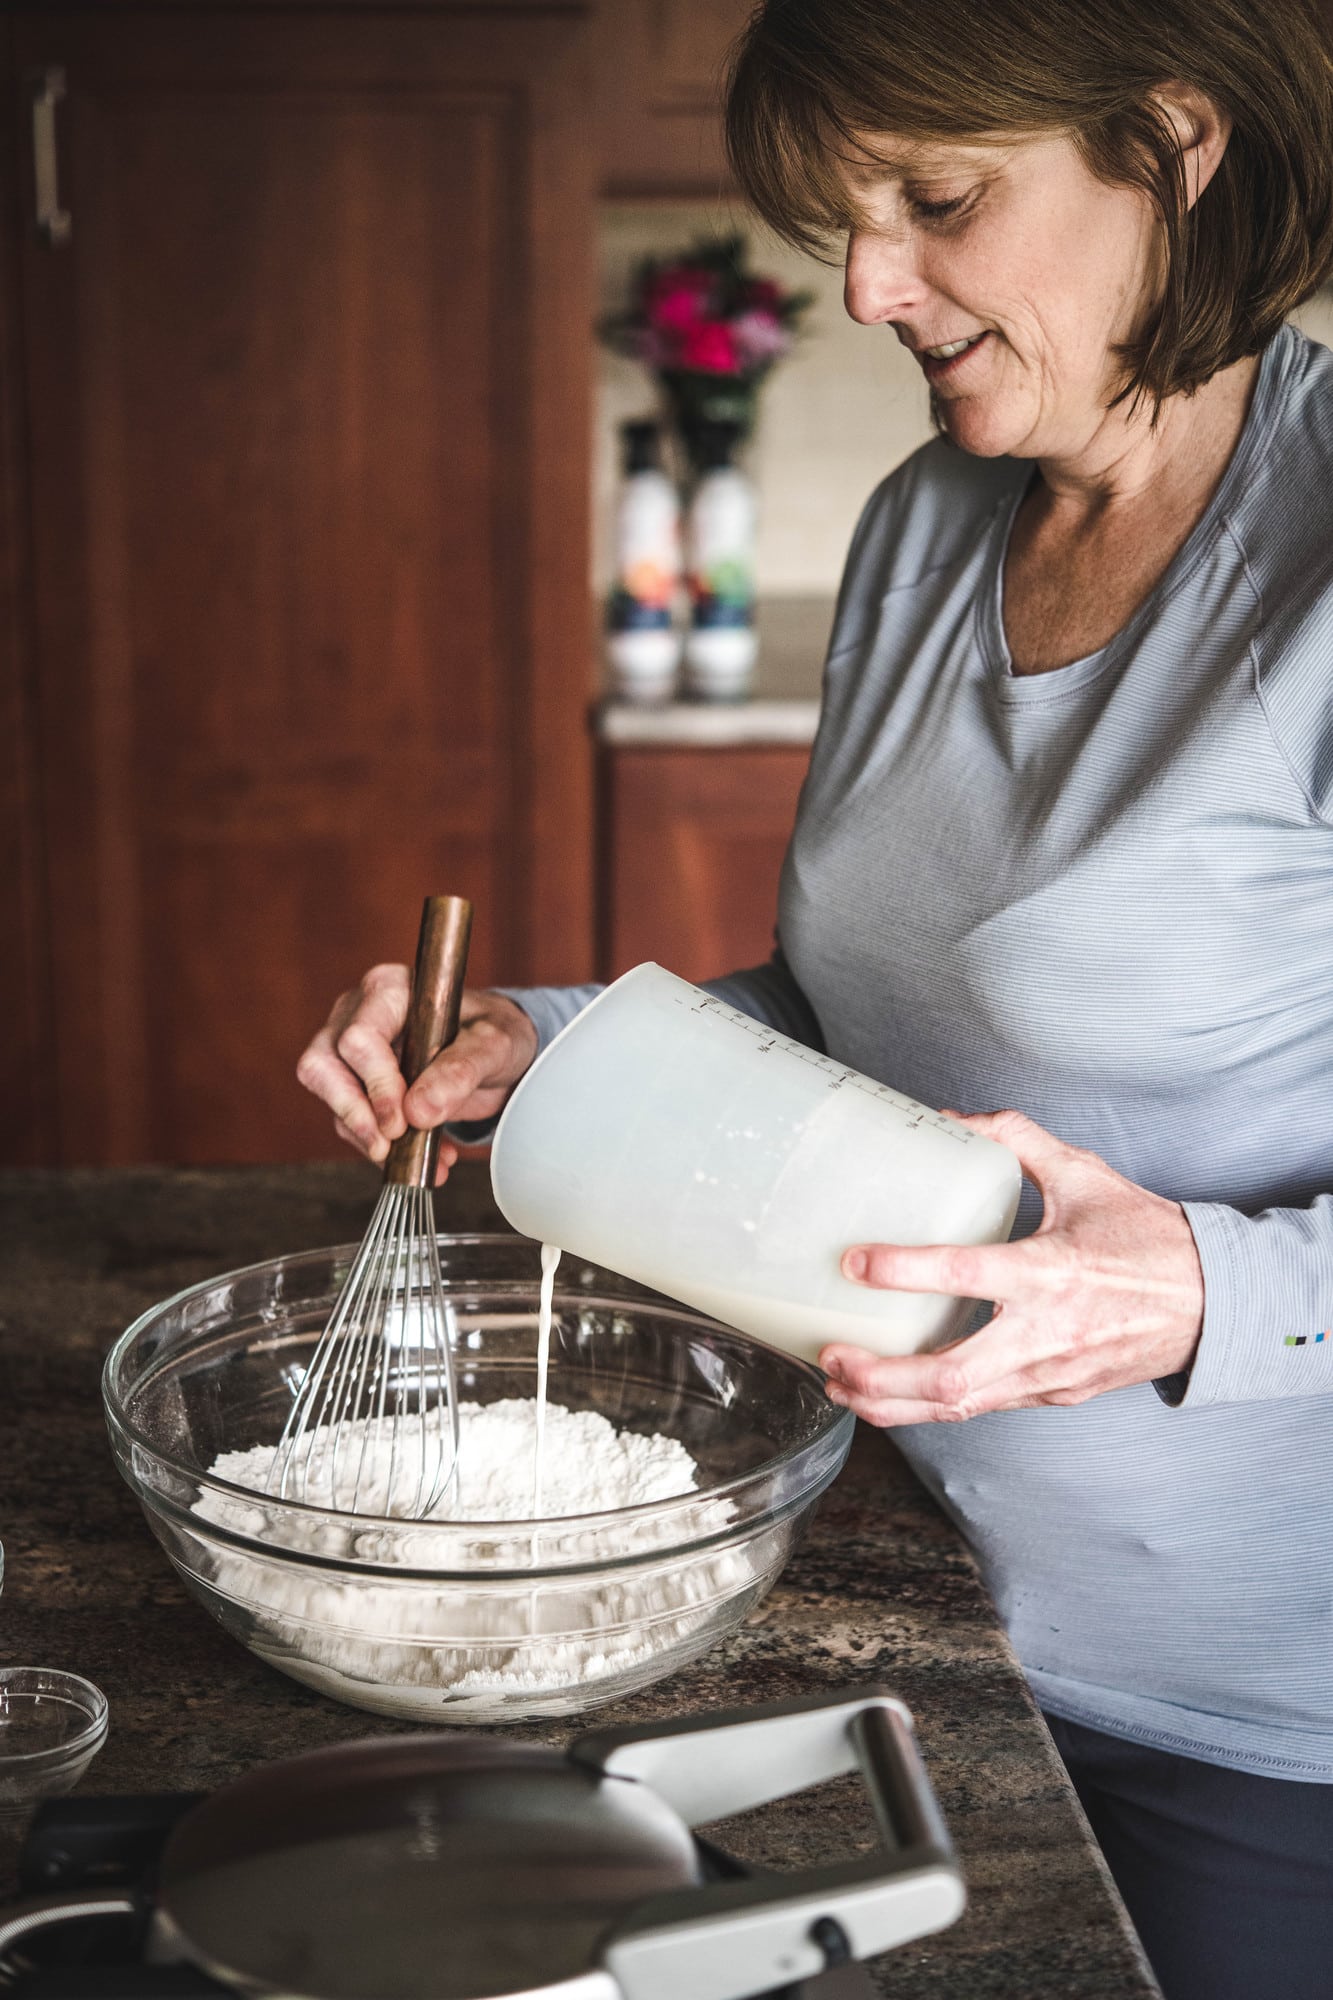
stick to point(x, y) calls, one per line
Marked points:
point(544, 1534)
point(97, 1712)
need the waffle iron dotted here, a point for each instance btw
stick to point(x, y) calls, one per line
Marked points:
point(434, 1867)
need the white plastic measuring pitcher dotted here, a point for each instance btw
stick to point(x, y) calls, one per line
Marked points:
point(687, 1146)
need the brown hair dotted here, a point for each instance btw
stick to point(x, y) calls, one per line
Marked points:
point(811, 80)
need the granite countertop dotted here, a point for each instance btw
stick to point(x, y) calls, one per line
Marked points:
point(882, 1590)
point(782, 706)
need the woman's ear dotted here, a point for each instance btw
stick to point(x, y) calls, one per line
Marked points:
point(1202, 130)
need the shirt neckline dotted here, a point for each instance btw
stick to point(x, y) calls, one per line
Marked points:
point(1030, 690)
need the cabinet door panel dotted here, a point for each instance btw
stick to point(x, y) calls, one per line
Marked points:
point(692, 846)
point(687, 42)
point(662, 64)
point(307, 399)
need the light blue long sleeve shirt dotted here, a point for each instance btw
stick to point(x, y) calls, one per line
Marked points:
point(1104, 895)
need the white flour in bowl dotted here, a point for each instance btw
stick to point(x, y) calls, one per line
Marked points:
point(404, 1643)
point(589, 1466)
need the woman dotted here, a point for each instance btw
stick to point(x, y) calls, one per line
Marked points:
point(1067, 844)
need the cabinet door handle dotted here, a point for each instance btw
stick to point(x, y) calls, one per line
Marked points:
point(54, 223)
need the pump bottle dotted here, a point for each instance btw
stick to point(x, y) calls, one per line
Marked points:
point(643, 644)
point(720, 537)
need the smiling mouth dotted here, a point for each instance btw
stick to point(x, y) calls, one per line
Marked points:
point(937, 361)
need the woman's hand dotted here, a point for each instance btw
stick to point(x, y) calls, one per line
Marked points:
point(352, 1065)
point(1108, 1291)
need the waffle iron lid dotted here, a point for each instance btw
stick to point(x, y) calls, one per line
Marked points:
point(416, 1869)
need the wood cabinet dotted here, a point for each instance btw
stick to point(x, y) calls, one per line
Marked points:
point(294, 539)
point(293, 496)
point(691, 845)
point(661, 65)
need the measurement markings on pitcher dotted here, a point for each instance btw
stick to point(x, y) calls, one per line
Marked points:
point(836, 1073)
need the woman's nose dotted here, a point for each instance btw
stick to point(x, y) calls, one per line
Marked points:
point(881, 281)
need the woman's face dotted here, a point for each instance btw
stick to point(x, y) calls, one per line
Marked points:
point(1019, 251)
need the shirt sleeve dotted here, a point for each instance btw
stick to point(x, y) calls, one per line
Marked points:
point(1268, 1303)
point(550, 1008)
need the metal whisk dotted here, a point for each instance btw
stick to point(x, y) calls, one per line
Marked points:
point(383, 1366)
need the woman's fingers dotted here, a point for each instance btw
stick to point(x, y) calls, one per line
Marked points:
point(949, 1385)
point(905, 1378)
point(449, 1087)
point(891, 1413)
point(351, 1135)
point(350, 1064)
point(1051, 1164)
point(446, 1157)
point(987, 1270)
point(1106, 1294)
point(1003, 1366)
point(960, 1271)
point(883, 1398)
point(323, 1072)
point(1032, 1143)
point(365, 1043)
point(473, 1076)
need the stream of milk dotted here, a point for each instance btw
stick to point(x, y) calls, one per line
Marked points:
point(550, 1259)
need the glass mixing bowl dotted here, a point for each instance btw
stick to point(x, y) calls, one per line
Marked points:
point(474, 1621)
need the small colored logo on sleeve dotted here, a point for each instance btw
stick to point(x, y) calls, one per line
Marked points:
point(1308, 1339)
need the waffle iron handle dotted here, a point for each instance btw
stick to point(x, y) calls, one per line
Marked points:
point(22, 1921)
point(726, 1940)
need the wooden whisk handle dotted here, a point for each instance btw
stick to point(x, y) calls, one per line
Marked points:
point(432, 1023)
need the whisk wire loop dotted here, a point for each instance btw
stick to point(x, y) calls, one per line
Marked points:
point(383, 1369)
point(444, 1479)
point(360, 1381)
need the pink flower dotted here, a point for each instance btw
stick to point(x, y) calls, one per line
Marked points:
point(759, 337)
point(710, 349)
point(677, 298)
point(763, 294)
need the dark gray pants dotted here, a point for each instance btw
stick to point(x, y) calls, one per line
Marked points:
point(1228, 1877)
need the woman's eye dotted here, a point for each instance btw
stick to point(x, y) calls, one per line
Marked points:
point(939, 211)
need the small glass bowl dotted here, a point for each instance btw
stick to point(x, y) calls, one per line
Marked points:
point(52, 1725)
